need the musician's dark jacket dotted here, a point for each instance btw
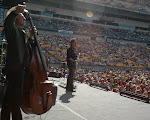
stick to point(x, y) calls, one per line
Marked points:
point(18, 49)
point(71, 54)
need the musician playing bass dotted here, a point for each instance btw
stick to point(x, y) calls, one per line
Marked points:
point(19, 53)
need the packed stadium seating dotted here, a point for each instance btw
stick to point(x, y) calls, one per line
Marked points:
point(91, 29)
point(134, 83)
point(138, 5)
point(103, 53)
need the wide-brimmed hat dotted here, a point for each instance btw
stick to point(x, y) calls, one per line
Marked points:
point(10, 10)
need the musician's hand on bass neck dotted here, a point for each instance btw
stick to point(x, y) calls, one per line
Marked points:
point(31, 35)
point(20, 8)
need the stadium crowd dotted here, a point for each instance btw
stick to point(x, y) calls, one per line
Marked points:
point(100, 53)
point(138, 5)
point(134, 81)
point(105, 52)
point(91, 30)
point(116, 80)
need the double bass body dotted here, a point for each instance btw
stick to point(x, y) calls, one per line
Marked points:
point(39, 94)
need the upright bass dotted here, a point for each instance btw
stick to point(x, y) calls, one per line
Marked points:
point(39, 94)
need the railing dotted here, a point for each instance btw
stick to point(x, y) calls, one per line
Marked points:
point(135, 96)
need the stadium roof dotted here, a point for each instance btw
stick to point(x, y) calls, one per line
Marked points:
point(73, 5)
point(117, 4)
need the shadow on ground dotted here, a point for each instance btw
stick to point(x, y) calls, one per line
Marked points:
point(65, 97)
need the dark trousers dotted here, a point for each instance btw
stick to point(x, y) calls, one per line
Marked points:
point(70, 78)
point(12, 98)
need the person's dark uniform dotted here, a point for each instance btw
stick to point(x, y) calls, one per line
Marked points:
point(18, 57)
point(71, 53)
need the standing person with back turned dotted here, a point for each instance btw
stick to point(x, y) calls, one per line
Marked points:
point(19, 53)
point(71, 62)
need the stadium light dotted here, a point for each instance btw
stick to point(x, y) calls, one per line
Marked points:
point(89, 14)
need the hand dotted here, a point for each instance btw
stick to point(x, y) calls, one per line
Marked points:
point(20, 8)
point(31, 35)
